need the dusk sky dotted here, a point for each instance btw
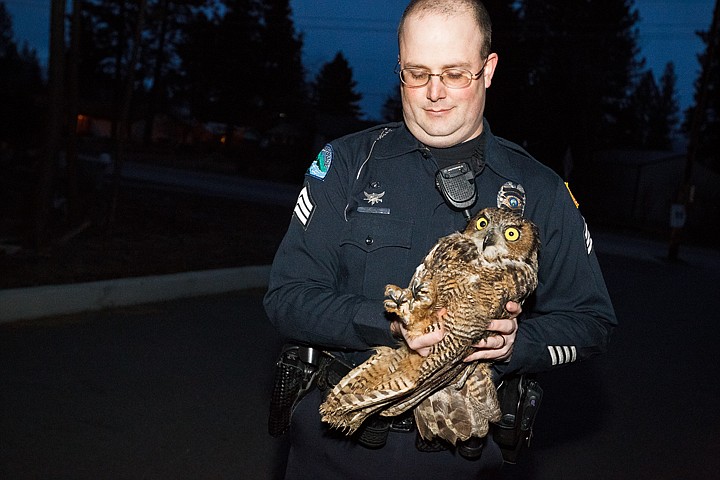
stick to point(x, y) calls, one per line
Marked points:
point(364, 30)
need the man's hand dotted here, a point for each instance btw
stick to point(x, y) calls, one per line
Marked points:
point(422, 343)
point(498, 347)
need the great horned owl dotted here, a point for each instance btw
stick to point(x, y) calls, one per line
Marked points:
point(472, 275)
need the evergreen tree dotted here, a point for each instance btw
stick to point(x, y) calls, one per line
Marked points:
point(222, 55)
point(7, 42)
point(646, 129)
point(165, 23)
point(668, 104)
point(284, 76)
point(583, 59)
point(21, 89)
point(708, 141)
point(392, 108)
point(507, 97)
point(335, 89)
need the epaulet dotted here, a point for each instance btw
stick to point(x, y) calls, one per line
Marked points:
point(514, 147)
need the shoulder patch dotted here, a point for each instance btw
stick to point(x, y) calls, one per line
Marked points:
point(321, 164)
point(304, 207)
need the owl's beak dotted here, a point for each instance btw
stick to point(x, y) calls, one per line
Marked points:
point(489, 240)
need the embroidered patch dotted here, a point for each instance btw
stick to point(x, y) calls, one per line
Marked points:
point(321, 165)
point(577, 205)
point(304, 207)
point(561, 355)
point(512, 197)
point(373, 198)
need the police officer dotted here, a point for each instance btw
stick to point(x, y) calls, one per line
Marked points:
point(369, 211)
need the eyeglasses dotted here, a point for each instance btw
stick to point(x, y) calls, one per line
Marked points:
point(451, 78)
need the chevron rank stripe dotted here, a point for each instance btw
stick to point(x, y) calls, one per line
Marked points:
point(304, 207)
point(562, 354)
point(588, 239)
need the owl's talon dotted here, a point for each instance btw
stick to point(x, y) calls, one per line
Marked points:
point(393, 298)
point(397, 301)
point(422, 294)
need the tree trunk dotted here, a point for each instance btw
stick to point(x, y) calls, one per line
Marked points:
point(48, 163)
point(123, 122)
point(75, 207)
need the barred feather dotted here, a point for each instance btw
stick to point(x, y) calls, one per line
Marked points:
point(472, 275)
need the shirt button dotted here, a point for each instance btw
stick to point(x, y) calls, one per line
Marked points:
point(369, 240)
point(375, 185)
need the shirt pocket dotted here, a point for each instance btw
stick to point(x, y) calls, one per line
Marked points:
point(375, 251)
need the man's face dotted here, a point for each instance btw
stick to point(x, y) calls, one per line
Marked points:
point(436, 115)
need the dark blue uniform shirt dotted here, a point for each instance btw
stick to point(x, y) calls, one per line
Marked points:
point(368, 214)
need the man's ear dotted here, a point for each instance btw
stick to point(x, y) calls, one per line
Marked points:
point(490, 66)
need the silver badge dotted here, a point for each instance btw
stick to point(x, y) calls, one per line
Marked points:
point(373, 198)
point(512, 197)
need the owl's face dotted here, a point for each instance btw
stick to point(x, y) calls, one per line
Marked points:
point(502, 234)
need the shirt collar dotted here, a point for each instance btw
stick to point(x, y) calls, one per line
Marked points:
point(399, 141)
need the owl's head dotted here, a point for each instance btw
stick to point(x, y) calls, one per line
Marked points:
point(503, 235)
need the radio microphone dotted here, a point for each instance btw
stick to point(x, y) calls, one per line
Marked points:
point(457, 186)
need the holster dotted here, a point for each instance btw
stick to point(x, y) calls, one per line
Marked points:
point(295, 373)
point(519, 398)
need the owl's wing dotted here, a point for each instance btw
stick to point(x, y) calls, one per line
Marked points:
point(386, 376)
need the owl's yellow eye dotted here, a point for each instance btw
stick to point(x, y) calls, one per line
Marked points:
point(512, 234)
point(482, 223)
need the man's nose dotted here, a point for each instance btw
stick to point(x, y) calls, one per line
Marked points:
point(435, 89)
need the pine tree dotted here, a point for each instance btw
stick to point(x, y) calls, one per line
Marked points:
point(653, 111)
point(284, 84)
point(708, 141)
point(507, 104)
point(165, 24)
point(21, 89)
point(668, 103)
point(642, 106)
point(392, 108)
point(335, 89)
point(584, 61)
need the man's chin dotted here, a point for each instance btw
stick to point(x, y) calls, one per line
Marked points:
point(440, 138)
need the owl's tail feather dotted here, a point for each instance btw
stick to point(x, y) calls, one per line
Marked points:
point(444, 376)
point(457, 414)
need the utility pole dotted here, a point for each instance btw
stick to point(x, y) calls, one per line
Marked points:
point(685, 192)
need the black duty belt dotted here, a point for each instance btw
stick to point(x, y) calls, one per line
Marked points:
point(374, 431)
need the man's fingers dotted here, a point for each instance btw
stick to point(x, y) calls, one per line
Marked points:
point(423, 343)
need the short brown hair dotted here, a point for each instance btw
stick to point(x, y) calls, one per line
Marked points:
point(448, 7)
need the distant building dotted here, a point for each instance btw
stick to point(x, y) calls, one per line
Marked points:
point(632, 188)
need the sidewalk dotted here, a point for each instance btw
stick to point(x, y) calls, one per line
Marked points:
point(46, 301)
point(53, 300)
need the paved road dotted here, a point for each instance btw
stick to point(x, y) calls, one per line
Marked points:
point(168, 391)
point(180, 389)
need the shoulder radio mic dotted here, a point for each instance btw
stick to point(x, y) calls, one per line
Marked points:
point(457, 186)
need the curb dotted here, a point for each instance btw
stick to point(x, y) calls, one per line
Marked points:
point(53, 300)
